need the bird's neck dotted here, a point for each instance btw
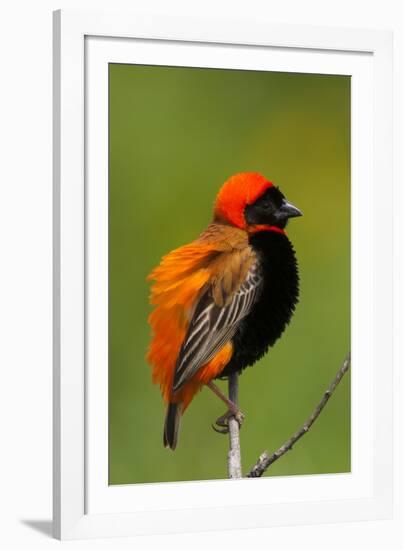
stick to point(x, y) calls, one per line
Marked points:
point(251, 229)
point(258, 228)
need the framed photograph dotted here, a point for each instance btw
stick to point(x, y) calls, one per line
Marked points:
point(222, 274)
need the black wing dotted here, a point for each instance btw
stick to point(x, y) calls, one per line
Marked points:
point(212, 326)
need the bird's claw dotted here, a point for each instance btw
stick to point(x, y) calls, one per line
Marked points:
point(221, 424)
point(224, 430)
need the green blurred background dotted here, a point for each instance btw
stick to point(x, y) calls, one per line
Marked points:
point(176, 134)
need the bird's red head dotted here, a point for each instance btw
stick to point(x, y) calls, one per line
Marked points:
point(236, 193)
point(250, 202)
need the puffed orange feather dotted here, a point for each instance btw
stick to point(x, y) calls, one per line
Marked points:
point(213, 259)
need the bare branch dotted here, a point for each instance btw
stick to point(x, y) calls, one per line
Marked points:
point(234, 453)
point(265, 460)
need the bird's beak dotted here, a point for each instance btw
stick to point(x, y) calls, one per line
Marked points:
point(288, 210)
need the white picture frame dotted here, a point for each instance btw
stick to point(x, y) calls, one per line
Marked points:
point(84, 505)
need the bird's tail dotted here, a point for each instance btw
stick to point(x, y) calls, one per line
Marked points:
point(171, 425)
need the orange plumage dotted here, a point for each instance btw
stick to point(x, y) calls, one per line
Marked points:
point(180, 279)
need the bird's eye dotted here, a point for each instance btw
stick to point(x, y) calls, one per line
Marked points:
point(266, 204)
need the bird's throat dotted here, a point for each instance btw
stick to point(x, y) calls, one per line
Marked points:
point(257, 228)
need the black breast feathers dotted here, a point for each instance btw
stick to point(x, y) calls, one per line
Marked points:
point(275, 305)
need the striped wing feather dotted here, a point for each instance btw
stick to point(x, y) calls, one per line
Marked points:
point(213, 325)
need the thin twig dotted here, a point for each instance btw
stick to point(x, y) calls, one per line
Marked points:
point(265, 460)
point(234, 453)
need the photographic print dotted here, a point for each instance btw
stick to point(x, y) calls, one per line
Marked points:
point(229, 273)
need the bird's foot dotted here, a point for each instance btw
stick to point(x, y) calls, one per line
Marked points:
point(221, 424)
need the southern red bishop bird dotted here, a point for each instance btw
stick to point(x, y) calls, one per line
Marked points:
point(222, 300)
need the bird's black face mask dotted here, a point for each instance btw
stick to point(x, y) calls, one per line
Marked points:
point(271, 209)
